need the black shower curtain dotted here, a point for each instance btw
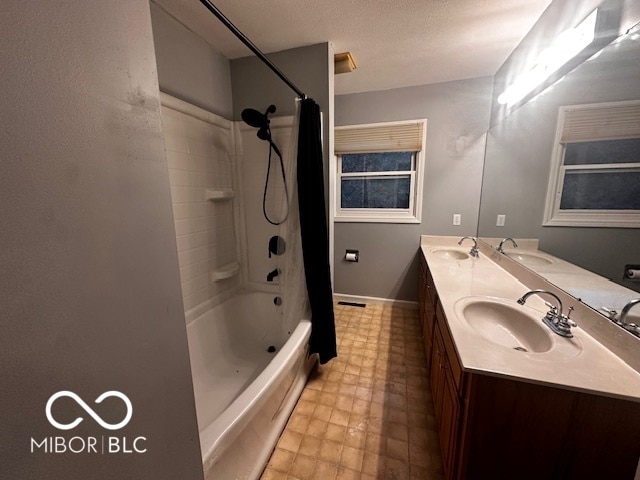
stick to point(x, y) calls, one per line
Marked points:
point(313, 229)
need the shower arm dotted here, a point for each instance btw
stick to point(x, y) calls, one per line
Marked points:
point(241, 36)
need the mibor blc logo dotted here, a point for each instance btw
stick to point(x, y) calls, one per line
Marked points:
point(101, 444)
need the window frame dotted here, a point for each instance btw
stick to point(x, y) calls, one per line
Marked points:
point(553, 214)
point(413, 214)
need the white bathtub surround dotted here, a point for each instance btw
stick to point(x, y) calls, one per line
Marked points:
point(199, 147)
point(244, 394)
point(248, 348)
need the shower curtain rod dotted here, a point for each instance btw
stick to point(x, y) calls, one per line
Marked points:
point(241, 36)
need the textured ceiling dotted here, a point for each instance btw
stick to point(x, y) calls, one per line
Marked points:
point(395, 43)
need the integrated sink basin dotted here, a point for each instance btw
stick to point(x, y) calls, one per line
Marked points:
point(519, 328)
point(450, 253)
point(506, 325)
point(529, 258)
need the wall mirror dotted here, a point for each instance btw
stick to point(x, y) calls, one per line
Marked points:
point(518, 162)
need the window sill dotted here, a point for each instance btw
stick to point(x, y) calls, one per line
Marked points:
point(591, 219)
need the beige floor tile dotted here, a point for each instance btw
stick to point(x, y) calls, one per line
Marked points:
point(398, 450)
point(322, 412)
point(344, 402)
point(367, 414)
point(281, 460)
point(309, 446)
point(303, 467)
point(298, 423)
point(273, 475)
point(330, 451)
point(347, 474)
point(373, 464)
point(290, 441)
point(352, 458)
point(335, 433)
point(317, 428)
point(325, 471)
point(339, 417)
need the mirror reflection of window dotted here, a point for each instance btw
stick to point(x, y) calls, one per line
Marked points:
point(595, 180)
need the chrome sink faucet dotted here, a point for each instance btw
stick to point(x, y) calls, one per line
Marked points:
point(630, 327)
point(474, 250)
point(557, 321)
point(625, 310)
point(621, 320)
point(508, 239)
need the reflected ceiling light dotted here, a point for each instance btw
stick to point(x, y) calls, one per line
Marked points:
point(565, 47)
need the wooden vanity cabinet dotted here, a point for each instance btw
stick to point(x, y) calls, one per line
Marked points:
point(426, 306)
point(506, 428)
point(445, 400)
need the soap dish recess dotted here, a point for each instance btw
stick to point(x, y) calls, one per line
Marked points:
point(226, 271)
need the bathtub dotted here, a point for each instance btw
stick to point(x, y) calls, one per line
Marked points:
point(244, 393)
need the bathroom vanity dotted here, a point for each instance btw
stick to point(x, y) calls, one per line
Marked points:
point(513, 399)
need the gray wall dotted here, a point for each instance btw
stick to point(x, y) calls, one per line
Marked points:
point(457, 113)
point(89, 289)
point(256, 86)
point(188, 67)
point(519, 147)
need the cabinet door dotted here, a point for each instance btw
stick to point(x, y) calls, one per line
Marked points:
point(422, 292)
point(449, 421)
point(437, 358)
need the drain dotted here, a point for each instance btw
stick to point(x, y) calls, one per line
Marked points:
point(520, 349)
point(271, 349)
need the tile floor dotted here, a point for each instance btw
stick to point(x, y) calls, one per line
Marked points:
point(367, 414)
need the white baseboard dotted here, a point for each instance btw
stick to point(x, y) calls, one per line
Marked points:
point(341, 297)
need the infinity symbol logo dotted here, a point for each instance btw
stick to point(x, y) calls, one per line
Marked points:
point(89, 410)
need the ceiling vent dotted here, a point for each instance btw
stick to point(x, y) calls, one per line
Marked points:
point(343, 63)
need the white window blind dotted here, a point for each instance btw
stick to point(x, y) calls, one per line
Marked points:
point(380, 137)
point(589, 123)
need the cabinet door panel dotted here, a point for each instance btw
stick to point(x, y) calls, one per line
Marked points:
point(450, 413)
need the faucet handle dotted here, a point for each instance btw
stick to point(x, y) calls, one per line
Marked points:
point(611, 312)
point(552, 307)
point(567, 318)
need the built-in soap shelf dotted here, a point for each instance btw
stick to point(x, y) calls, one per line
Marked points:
point(219, 194)
point(225, 271)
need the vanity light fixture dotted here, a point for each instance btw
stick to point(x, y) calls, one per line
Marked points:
point(565, 47)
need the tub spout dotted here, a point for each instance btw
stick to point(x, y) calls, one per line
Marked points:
point(273, 274)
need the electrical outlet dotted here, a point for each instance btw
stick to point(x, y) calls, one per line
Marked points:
point(500, 220)
point(457, 218)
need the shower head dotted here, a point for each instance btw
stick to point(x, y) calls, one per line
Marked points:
point(254, 118)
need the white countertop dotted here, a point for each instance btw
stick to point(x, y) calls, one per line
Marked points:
point(580, 363)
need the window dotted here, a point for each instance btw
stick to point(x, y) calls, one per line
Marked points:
point(595, 172)
point(379, 172)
